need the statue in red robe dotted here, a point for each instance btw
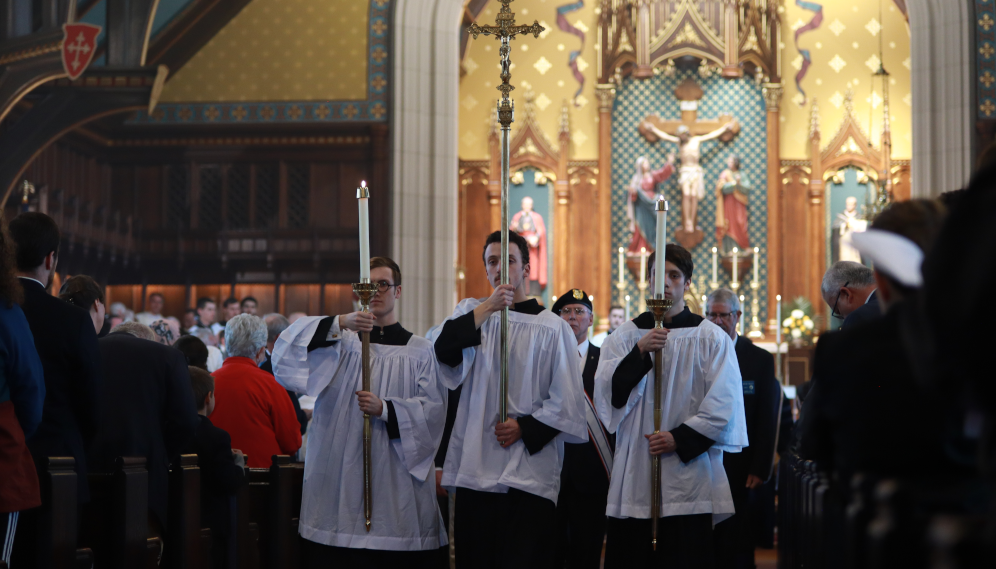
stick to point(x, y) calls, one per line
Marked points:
point(732, 191)
point(529, 224)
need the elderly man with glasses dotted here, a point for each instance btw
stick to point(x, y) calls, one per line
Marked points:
point(584, 480)
point(749, 469)
point(849, 289)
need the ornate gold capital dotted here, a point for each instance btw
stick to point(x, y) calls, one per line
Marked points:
point(606, 93)
point(772, 93)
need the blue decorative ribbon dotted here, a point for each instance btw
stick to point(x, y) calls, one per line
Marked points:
point(566, 26)
point(807, 60)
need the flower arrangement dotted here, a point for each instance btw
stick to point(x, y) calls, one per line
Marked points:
point(799, 328)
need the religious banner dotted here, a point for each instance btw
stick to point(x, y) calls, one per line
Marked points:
point(566, 26)
point(807, 59)
point(79, 43)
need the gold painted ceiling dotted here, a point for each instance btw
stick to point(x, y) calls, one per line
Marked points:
point(281, 50)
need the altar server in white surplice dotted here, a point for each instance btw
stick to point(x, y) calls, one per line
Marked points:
point(507, 475)
point(702, 416)
point(322, 357)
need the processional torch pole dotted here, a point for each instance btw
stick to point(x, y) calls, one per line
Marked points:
point(365, 290)
point(504, 30)
point(659, 306)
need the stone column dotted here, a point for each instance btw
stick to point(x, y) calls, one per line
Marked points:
point(815, 234)
point(772, 99)
point(562, 276)
point(606, 97)
point(643, 69)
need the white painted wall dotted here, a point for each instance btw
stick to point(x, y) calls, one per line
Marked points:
point(942, 45)
point(424, 157)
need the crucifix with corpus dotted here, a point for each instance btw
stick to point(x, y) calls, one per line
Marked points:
point(688, 133)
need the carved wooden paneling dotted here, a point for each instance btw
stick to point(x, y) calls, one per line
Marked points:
point(795, 184)
point(474, 225)
point(585, 209)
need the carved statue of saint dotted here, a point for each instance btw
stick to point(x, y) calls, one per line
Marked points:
point(732, 198)
point(529, 224)
point(640, 205)
point(690, 173)
point(845, 225)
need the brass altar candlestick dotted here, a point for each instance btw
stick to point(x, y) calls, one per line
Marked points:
point(755, 324)
point(659, 306)
point(365, 290)
point(504, 30)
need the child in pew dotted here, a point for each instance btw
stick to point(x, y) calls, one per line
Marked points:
point(222, 469)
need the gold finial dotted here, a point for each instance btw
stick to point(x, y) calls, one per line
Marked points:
point(565, 118)
point(849, 101)
point(814, 119)
point(27, 189)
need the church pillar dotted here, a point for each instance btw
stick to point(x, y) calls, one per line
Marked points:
point(643, 69)
point(815, 223)
point(731, 58)
point(562, 267)
point(772, 99)
point(603, 266)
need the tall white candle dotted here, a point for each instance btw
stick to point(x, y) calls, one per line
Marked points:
point(704, 307)
point(643, 265)
point(714, 274)
point(736, 255)
point(622, 266)
point(627, 307)
point(661, 246)
point(757, 264)
point(363, 197)
point(778, 317)
point(741, 317)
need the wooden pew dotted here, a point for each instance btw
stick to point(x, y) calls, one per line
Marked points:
point(267, 515)
point(187, 544)
point(116, 521)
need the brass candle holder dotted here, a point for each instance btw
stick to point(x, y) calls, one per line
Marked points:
point(658, 306)
point(366, 290)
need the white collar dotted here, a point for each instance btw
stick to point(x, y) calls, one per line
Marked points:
point(583, 348)
point(32, 279)
point(870, 295)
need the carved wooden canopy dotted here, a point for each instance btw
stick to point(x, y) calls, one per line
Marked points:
point(638, 36)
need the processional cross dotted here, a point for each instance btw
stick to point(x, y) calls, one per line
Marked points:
point(504, 30)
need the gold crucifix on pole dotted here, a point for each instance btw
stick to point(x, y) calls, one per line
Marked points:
point(504, 30)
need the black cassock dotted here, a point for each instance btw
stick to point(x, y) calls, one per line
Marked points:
point(584, 488)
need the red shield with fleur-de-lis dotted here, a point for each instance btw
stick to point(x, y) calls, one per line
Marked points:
point(79, 42)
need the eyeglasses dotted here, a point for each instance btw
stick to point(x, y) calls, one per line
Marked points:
point(577, 311)
point(719, 315)
point(382, 286)
point(834, 312)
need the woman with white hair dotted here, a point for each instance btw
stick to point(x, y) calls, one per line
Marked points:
point(249, 403)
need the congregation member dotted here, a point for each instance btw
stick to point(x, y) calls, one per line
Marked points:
point(850, 291)
point(66, 341)
point(508, 470)
point(189, 320)
point(229, 309)
point(22, 396)
point(584, 480)
point(617, 315)
point(275, 325)
point(193, 350)
point(147, 408)
point(249, 305)
point(702, 416)
point(222, 468)
point(250, 405)
point(749, 469)
point(153, 310)
point(84, 292)
point(207, 321)
point(322, 357)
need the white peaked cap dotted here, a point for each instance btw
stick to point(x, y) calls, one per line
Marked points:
point(891, 254)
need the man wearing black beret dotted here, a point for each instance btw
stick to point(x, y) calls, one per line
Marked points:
point(584, 482)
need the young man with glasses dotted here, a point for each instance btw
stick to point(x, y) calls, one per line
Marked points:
point(584, 481)
point(702, 416)
point(507, 473)
point(748, 469)
point(321, 356)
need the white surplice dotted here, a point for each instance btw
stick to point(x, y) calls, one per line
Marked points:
point(405, 512)
point(543, 382)
point(702, 389)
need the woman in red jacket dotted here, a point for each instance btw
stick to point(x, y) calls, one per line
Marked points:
point(249, 403)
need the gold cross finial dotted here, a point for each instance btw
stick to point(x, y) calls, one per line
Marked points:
point(27, 188)
point(504, 30)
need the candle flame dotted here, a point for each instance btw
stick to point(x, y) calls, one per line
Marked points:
point(591, 297)
point(736, 250)
point(778, 297)
point(621, 249)
point(757, 249)
point(363, 184)
point(643, 249)
point(627, 297)
point(713, 249)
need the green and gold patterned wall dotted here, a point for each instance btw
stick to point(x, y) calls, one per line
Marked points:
point(741, 98)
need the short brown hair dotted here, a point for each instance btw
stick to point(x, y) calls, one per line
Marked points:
point(677, 255)
point(513, 238)
point(377, 262)
point(918, 220)
point(202, 383)
point(81, 291)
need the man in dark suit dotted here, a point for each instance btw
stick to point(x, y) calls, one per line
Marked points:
point(748, 469)
point(275, 325)
point(849, 290)
point(67, 345)
point(147, 407)
point(584, 480)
